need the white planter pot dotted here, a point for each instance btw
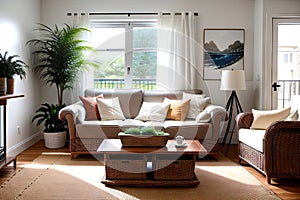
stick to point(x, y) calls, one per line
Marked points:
point(55, 140)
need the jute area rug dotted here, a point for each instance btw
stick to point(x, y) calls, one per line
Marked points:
point(59, 177)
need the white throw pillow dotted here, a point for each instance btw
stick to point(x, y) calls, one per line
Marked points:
point(153, 111)
point(197, 104)
point(263, 118)
point(110, 109)
point(293, 116)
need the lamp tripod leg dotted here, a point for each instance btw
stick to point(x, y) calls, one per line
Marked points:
point(229, 106)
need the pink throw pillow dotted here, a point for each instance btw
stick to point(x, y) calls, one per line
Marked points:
point(91, 108)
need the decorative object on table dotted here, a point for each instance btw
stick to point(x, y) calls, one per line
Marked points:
point(143, 137)
point(223, 48)
point(232, 80)
point(54, 129)
point(9, 67)
point(180, 141)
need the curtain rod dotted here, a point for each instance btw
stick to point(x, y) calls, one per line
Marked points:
point(128, 14)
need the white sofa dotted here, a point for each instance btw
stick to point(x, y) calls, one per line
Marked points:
point(85, 136)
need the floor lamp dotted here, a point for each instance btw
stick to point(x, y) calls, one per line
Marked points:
point(232, 80)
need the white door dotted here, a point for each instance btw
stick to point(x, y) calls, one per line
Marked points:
point(286, 61)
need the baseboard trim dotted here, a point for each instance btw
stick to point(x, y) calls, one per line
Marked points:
point(25, 144)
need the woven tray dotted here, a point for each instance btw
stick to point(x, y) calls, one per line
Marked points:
point(129, 140)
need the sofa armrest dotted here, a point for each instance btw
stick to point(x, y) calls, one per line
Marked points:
point(218, 115)
point(282, 149)
point(73, 114)
point(244, 120)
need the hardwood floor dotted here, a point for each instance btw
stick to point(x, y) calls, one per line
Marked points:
point(286, 189)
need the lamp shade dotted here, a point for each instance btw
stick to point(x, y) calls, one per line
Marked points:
point(233, 80)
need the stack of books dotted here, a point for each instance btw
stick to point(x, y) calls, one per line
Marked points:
point(2, 157)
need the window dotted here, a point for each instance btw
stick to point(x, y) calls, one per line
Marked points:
point(127, 54)
point(288, 58)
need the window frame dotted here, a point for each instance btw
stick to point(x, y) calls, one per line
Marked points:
point(128, 26)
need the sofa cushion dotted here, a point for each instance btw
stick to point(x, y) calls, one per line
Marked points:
point(159, 95)
point(130, 99)
point(262, 119)
point(188, 129)
point(197, 104)
point(111, 128)
point(151, 111)
point(98, 129)
point(129, 123)
point(178, 109)
point(110, 109)
point(252, 138)
point(159, 126)
point(91, 108)
point(295, 105)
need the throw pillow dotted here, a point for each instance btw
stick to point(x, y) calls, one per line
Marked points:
point(263, 118)
point(110, 109)
point(91, 109)
point(178, 109)
point(197, 104)
point(293, 116)
point(153, 111)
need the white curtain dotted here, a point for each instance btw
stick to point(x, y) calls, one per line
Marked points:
point(85, 77)
point(177, 63)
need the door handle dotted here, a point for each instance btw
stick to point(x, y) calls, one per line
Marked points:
point(275, 86)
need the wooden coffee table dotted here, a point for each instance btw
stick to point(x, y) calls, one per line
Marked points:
point(169, 166)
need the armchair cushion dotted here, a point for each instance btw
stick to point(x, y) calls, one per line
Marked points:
point(263, 118)
point(252, 138)
point(293, 116)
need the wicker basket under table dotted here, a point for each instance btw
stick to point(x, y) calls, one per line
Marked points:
point(126, 166)
point(175, 167)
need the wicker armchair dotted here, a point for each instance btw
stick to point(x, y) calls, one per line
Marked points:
point(281, 149)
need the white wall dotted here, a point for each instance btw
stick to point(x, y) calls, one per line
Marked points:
point(16, 23)
point(212, 14)
point(268, 9)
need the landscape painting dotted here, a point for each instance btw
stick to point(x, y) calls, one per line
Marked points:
point(223, 49)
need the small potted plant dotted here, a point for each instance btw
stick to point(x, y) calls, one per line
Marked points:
point(55, 129)
point(143, 137)
point(9, 67)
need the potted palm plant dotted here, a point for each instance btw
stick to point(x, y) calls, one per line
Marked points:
point(61, 58)
point(54, 129)
point(9, 67)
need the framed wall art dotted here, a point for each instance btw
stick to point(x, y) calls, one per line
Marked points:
point(223, 49)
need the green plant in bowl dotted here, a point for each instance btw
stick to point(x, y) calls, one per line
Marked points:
point(133, 131)
point(160, 133)
point(148, 131)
